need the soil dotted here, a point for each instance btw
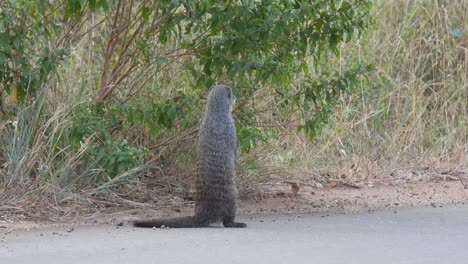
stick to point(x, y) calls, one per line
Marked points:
point(280, 197)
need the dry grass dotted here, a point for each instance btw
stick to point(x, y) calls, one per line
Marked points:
point(410, 121)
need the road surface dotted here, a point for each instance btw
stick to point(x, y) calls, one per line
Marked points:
point(404, 235)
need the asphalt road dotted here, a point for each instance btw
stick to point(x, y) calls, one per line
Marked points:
point(409, 235)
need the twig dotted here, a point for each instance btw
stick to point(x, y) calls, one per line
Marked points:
point(298, 182)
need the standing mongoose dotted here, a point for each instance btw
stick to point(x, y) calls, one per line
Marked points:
point(216, 193)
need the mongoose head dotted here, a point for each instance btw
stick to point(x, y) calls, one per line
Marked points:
point(220, 99)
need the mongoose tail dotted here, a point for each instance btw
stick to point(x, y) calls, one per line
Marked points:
point(182, 222)
point(179, 222)
point(234, 224)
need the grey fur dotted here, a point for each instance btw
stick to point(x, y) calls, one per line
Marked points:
point(216, 193)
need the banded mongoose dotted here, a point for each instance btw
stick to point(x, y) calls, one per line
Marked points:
point(215, 190)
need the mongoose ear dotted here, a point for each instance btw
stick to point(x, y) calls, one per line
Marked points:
point(229, 93)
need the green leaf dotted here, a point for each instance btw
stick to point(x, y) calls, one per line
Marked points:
point(92, 5)
point(104, 5)
point(4, 41)
point(145, 13)
point(163, 36)
point(72, 8)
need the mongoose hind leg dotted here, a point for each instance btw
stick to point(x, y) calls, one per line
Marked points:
point(229, 222)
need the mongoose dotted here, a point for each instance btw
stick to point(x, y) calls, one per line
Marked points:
point(215, 191)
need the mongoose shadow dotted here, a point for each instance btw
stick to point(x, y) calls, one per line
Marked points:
point(216, 193)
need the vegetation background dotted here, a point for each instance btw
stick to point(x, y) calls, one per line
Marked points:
point(101, 100)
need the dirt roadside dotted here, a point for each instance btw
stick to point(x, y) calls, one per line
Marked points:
point(283, 198)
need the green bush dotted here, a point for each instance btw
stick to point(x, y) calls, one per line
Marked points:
point(145, 69)
point(27, 52)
